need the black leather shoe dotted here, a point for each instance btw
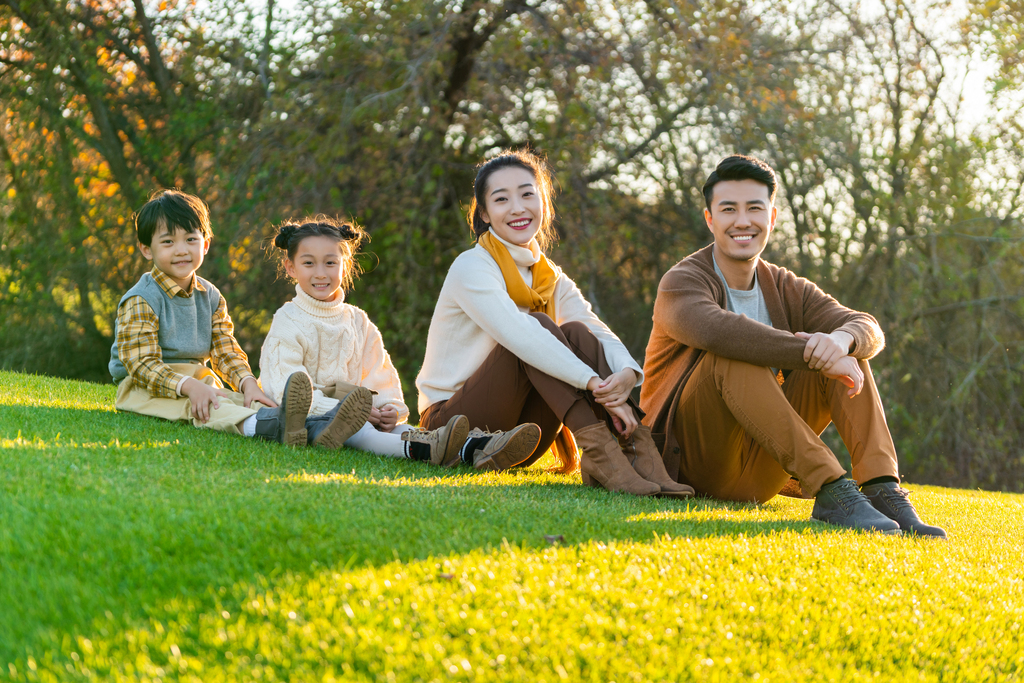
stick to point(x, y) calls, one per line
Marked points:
point(840, 502)
point(893, 501)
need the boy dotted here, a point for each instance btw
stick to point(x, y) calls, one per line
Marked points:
point(748, 363)
point(172, 321)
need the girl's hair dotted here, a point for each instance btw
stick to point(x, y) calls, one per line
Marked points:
point(347, 234)
point(519, 158)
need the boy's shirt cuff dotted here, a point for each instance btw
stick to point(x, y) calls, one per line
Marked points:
point(177, 387)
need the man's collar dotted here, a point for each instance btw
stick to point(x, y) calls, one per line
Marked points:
point(171, 287)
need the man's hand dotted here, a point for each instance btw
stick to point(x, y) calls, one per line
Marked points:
point(202, 397)
point(822, 350)
point(614, 390)
point(847, 370)
point(251, 392)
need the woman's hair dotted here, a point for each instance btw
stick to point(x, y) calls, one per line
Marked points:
point(347, 234)
point(524, 159)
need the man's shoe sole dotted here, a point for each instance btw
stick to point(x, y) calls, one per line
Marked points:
point(350, 418)
point(295, 403)
point(887, 532)
point(519, 447)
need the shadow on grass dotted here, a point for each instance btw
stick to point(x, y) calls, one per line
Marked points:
point(120, 514)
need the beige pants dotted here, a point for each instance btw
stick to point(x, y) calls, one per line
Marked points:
point(231, 413)
point(742, 435)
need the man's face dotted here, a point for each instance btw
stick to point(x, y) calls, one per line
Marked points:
point(741, 218)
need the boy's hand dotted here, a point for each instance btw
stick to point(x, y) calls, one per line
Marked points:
point(202, 397)
point(614, 390)
point(847, 370)
point(388, 417)
point(251, 392)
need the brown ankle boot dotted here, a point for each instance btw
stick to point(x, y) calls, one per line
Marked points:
point(602, 463)
point(647, 461)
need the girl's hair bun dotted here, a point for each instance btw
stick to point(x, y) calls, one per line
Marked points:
point(284, 235)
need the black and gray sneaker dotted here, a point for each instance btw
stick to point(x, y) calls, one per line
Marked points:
point(893, 501)
point(840, 502)
point(287, 423)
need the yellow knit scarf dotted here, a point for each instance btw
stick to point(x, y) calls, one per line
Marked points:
point(541, 296)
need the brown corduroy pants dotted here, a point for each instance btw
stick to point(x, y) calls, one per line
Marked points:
point(742, 436)
point(505, 392)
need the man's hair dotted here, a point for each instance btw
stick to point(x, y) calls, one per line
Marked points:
point(740, 167)
point(177, 210)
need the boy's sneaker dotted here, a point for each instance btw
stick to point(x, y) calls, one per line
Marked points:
point(893, 501)
point(287, 423)
point(338, 424)
point(503, 450)
point(445, 443)
point(840, 502)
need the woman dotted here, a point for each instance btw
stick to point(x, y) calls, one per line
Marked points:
point(512, 340)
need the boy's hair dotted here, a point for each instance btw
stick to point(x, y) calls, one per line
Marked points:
point(526, 160)
point(347, 234)
point(740, 167)
point(177, 210)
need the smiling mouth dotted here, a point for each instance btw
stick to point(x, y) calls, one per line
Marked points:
point(520, 224)
point(743, 238)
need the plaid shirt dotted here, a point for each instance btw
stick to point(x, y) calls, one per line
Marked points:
point(138, 342)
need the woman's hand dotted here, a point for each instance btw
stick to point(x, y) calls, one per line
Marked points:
point(614, 390)
point(623, 418)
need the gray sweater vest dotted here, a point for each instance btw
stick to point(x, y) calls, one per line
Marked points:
point(186, 324)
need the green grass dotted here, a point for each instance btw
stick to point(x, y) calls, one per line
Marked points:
point(134, 549)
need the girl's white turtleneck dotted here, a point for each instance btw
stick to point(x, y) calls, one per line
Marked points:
point(334, 342)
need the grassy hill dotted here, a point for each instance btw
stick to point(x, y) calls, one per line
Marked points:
point(135, 549)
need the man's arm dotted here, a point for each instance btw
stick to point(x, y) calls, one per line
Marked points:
point(686, 309)
point(138, 347)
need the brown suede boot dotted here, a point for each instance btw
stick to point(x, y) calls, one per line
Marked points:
point(647, 462)
point(603, 464)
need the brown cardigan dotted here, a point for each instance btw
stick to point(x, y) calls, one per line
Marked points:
point(690, 319)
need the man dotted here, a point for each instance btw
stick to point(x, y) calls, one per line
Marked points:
point(748, 363)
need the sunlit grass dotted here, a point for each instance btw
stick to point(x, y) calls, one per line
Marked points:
point(134, 549)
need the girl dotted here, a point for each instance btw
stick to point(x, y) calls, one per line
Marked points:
point(512, 339)
point(344, 355)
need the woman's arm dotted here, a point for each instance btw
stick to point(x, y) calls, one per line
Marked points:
point(478, 288)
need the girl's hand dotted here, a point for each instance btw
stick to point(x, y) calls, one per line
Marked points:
point(388, 417)
point(374, 418)
point(614, 390)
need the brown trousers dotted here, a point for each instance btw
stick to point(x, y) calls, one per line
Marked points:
point(742, 436)
point(505, 392)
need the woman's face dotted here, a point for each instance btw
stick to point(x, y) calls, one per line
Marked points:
point(318, 267)
point(512, 205)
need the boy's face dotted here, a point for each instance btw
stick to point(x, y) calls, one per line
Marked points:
point(178, 254)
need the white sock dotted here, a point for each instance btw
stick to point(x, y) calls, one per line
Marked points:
point(249, 426)
point(381, 443)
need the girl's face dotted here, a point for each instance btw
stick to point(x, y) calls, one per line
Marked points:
point(512, 205)
point(318, 267)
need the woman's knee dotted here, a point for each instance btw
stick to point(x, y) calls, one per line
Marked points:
point(546, 322)
point(575, 330)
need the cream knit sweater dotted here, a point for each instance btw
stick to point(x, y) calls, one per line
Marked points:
point(333, 342)
point(474, 314)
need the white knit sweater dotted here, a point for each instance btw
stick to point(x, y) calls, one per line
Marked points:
point(474, 313)
point(333, 342)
